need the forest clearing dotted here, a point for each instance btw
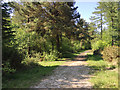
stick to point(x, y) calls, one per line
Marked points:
point(50, 45)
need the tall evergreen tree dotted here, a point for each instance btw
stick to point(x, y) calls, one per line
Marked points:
point(111, 17)
point(99, 19)
point(7, 32)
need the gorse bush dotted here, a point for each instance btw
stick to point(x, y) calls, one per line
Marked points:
point(111, 54)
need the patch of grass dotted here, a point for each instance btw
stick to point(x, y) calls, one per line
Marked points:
point(27, 78)
point(100, 65)
point(97, 65)
point(104, 77)
point(94, 57)
point(51, 63)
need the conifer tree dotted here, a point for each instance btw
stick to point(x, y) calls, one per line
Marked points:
point(7, 32)
point(10, 54)
point(111, 17)
point(99, 18)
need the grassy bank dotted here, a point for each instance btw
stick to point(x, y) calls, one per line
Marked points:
point(31, 76)
point(105, 74)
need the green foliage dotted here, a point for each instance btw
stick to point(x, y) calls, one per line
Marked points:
point(21, 40)
point(12, 55)
point(70, 47)
point(7, 68)
point(94, 57)
point(50, 57)
point(111, 54)
point(66, 46)
point(76, 46)
point(7, 33)
point(98, 44)
point(30, 62)
point(105, 79)
point(106, 13)
point(36, 55)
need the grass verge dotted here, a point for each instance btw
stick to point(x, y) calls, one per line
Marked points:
point(105, 74)
point(105, 79)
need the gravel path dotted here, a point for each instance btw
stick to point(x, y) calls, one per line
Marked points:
point(73, 74)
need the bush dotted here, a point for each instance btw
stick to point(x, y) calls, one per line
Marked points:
point(111, 54)
point(6, 68)
point(52, 56)
point(36, 55)
point(66, 46)
point(13, 56)
point(99, 44)
point(30, 62)
point(76, 46)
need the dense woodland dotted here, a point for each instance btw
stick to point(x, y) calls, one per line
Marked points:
point(47, 31)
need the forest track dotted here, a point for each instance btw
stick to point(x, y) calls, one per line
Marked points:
point(73, 74)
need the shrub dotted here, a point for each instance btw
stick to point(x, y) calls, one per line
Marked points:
point(13, 56)
point(52, 56)
point(30, 62)
point(6, 68)
point(111, 54)
point(76, 46)
point(33, 60)
point(66, 46)
point(99, 44)
point(36, 55)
